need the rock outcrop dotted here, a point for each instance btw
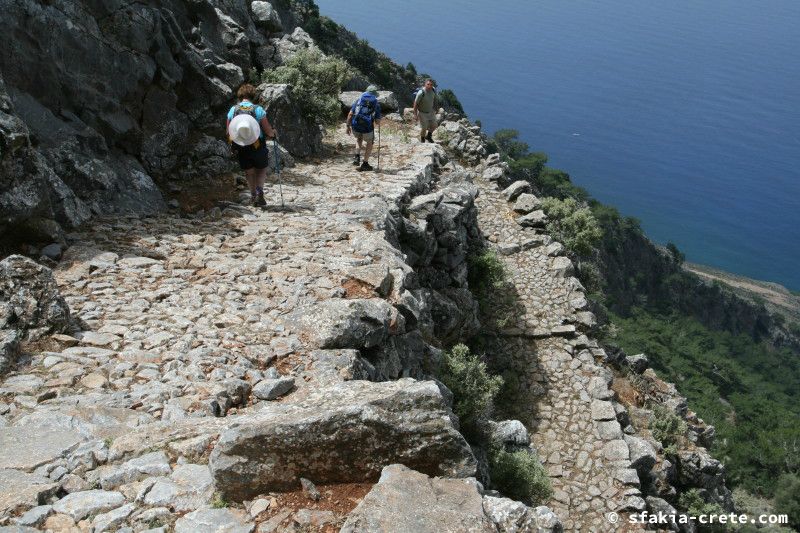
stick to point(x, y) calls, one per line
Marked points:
point(31, 305)
point(100, 101)
point(345, 433)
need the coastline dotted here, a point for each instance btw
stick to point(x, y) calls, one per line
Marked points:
point(775, 297)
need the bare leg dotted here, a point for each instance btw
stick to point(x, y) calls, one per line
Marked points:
point(250, 174)
point(260, 177)
point(358, 147)
point(367, 151)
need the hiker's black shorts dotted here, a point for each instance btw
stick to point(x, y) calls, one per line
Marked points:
point(250, 157)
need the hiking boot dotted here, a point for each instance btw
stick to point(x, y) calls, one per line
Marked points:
point(357, 159)
point(364, 166)
point(430, 137)
point(259, 201)
point(254, 200)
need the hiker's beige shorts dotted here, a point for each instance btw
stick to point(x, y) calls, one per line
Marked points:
point(368, 137)
point(427, 121)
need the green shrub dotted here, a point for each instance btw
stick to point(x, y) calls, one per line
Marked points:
point(693, 504)
point(450, 101)
point(667, 427)
point(473, 388)
point(485, 271)
point(575, 226)
point(677, 256)
point(787, 498)
point(316, 82)
point(519, 475)
point(509, 144)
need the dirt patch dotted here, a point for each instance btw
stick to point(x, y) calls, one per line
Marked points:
point(626, 392)
point(356, 289)
point(339, 499)
point(205, 193)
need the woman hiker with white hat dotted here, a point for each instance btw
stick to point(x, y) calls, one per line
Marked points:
point(247, 127)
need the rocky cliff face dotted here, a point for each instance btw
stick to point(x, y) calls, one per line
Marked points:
point(239, 357)
point(100, 99)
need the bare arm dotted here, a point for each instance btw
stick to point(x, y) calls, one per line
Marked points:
point(266, 127)
point(349, 121)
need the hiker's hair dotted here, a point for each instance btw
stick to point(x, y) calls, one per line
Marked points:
point(246, 92)
point(429, 80)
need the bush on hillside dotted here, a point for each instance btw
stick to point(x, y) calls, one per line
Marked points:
point(473, 388)
point(575, 226)
point(667, 427)
point(519, 475)
point(316, 82)
point(787, 498)
point(450, 102)
point(693, 504)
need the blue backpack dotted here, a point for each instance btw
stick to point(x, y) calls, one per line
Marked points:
point(364, 114)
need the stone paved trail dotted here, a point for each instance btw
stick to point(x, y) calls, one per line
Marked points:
point(187, 319)
point(175, 310)
point(563, 394)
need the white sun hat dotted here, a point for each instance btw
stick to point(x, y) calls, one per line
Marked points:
point(244, 130)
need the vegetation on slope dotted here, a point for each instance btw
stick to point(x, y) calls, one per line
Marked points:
point(717, 349)
point(316, 82)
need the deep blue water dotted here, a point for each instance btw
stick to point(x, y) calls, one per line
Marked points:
point(684, 114)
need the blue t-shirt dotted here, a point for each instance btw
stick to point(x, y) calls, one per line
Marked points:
point(260, 113)
point(367, 97)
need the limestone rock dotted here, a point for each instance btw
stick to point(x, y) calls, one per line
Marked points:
point(26, 448)
point(526, 203)
point(516, 189)
point(406, 501)
point(31, 298)
point(515, 517)
point(20, 491)
point(643, 455)
point(534, 219)
point(81, 504)
point(298, 134)
point(271, 389)
point(266, 16)
point(339, 323)
point(386, 99)
point(9, 348)
point(509, 433)
point(346, 432)
point(214, 521)
point(638, 363)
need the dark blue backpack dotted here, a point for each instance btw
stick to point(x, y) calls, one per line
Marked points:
point(364, 115)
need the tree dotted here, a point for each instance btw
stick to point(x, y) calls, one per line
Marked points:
point(509, 144)
point(787, 498)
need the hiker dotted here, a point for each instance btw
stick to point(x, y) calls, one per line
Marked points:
point(425, 105)
point(364, 115)
point(248, 129)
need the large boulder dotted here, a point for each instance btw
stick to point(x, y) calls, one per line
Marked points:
point(340, 323)
point(515, 517)
point(405, 501)
point(386, 99)
point(266, 16)
point(299, 134)
point(29, 298)
point(343, 433)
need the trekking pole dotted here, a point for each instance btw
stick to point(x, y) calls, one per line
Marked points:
point(379, 149)
point(278, 165)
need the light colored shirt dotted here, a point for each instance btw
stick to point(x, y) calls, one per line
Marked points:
point(425, 101)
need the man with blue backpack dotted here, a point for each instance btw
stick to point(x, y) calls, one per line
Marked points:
point(364, 115)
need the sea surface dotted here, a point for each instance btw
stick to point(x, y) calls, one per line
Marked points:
point(684, 114)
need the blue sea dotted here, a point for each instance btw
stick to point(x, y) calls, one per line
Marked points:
point(684, 114)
